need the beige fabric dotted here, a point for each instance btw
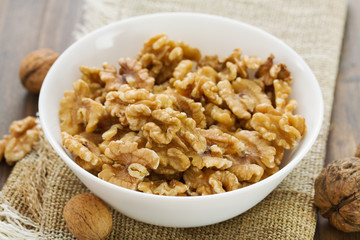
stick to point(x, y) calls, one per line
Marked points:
point(40, 184)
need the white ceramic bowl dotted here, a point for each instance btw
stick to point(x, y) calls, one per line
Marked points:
point(212, 35)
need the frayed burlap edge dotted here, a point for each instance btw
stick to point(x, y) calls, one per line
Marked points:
point(55, 184)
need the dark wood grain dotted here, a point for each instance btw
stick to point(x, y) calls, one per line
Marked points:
point(26, 25)
point(344, 135)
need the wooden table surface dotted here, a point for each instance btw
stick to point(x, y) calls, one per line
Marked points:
point(26, 25)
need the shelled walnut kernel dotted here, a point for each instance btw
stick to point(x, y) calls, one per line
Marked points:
point(170, 116)
point(23, 134)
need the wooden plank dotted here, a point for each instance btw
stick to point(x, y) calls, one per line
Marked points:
point(26, 25)
point(19, 29)
point(344, 133)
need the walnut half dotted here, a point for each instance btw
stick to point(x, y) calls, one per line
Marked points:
point(23, 134)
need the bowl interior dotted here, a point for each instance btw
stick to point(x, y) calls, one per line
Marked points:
point(211, 34)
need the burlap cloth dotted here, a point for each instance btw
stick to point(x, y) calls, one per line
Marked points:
point(41, 184)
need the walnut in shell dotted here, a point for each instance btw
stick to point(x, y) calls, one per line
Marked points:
point(34, 68)
point(87, 217)
point(337, 194)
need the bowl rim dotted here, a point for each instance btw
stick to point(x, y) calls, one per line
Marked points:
point(283, 172)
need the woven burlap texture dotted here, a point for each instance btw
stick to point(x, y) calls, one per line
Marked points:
point(40, 184)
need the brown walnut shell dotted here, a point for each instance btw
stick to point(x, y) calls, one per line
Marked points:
point(337, 194)
point(34, 68)
point(87, 217)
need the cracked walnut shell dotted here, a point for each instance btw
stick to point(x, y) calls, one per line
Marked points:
point(337, 194)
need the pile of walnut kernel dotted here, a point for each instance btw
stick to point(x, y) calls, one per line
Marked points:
point(173, 123)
